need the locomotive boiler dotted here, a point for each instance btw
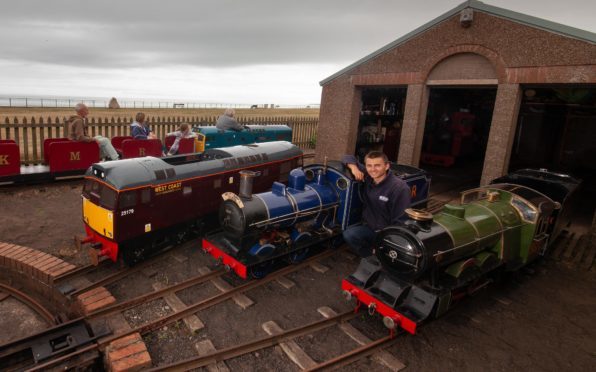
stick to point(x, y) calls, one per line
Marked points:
point(319, 202)
point(420, 269)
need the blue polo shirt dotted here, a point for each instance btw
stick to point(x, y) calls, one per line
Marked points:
point(384, 203)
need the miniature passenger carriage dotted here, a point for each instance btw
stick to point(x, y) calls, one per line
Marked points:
point(420, 269)
point(288, 222)
point(64, 158)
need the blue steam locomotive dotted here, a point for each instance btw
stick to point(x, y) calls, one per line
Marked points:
point(284, 224)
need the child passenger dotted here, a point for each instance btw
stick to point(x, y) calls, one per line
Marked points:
point(182, 132)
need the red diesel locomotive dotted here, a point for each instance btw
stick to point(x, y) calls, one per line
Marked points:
point(134, 207)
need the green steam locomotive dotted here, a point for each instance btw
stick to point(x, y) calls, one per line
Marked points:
point(422, 267)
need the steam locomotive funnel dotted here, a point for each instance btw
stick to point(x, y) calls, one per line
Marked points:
point(423, 219)
point(246, 177)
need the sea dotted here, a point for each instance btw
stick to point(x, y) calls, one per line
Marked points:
point(103, 102)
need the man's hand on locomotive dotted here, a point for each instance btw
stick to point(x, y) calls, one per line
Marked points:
point(358, 175)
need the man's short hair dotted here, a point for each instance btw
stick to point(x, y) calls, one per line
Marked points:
point(230, 112)
point(80, 106)
point(184, 127)
point(140, 117)
point(376, 155)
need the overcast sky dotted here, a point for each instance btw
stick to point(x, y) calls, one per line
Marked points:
point(243, 51)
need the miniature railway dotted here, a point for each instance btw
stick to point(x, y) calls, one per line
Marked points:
point(356, 354)
point(214, 300)
point(81, 270)
point(30, 302)
point(57, 344)
point(255, 345)
point(63, 280)
point(96, 341)
point(119, 274)
point(283, 337)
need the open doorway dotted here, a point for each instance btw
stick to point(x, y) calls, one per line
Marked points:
point(556, 128)
point(457, 128)
point(380, 122)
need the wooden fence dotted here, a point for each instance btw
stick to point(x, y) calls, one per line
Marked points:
point(30, 134)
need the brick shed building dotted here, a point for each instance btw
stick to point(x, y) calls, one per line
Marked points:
point(479, 84)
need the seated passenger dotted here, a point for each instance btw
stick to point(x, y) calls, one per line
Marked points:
point(227, 121)
point(77, 131)
point(139, 129)
point(182, 132)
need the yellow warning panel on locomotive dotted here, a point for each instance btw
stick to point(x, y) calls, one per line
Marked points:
point(99, 219)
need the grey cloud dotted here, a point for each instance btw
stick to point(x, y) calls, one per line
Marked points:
point(125, 34)
point(121, 34)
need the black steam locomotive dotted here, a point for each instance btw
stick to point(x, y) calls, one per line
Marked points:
point(319, 202)
point(420, 269)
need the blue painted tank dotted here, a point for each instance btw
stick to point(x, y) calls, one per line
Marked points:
point(215, 138)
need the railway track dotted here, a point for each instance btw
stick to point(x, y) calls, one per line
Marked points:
point(284, 337)
point(241, 349)
point(64, 279)
point(356, 354)
point(97, 343)
point(30, 302)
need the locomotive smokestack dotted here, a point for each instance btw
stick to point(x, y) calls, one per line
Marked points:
point(246, 177)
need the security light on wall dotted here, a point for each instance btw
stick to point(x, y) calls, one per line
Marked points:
point(466, 17)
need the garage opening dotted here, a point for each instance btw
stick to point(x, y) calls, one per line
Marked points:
point(456, 130)
point(556, 129)
point(380, 122)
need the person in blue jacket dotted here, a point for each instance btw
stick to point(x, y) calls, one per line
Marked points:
point(139, 129)
point(385, 197)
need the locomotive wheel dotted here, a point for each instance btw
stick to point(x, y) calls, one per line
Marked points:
point(300, 254)
point(337, 241)
point(133, 255)
point(468, 276)
point(261, 270)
